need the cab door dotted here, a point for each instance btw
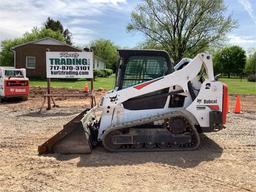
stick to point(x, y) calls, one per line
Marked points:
point(138, 66)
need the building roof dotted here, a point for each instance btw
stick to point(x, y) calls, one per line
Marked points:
point(45, 41)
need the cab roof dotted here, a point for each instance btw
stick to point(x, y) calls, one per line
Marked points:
point(143, 52)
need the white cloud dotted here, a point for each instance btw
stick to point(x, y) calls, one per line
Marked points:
point(79, 21)
point(247, 5)
point(115, 2)
point(20, 16)
point(246, 42)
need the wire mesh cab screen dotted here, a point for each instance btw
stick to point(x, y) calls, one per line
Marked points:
point(14, 73)
point(144, 68)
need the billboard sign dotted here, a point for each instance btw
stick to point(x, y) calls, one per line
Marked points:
point(70, 65)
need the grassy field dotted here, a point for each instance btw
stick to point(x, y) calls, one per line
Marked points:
point(236, 86)
point(106, 83)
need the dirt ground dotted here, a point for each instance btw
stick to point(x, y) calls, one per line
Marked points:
point(225, 161)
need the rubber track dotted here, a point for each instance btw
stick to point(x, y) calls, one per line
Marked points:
point(148, 120)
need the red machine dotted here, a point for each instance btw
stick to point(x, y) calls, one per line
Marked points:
point(13, 83)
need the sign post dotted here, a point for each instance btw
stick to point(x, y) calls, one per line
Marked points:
point(68, 65)
point(48, 92)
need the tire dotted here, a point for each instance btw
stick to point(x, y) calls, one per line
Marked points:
point(24, 98)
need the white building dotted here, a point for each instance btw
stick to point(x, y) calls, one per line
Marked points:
point(98, 63)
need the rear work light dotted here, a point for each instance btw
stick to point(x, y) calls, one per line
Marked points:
point(224, 103)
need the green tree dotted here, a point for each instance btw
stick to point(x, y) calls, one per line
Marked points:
point(181, 27)
point(106, 50)
point(149, 44)
point(230, 60)
point(56, 25)
point(250, 66)
point(6, 55)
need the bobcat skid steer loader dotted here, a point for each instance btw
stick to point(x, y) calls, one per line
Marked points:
point(152, 108)
point(13, 83)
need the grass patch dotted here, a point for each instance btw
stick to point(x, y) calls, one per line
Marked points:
point(238, 86)
point(100, 82)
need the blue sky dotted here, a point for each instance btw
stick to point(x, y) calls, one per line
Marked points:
point(93, 19)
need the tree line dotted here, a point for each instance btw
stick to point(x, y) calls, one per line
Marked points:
point(103, 48)
point(181, 27)
point(186, 27)
point(233, 61)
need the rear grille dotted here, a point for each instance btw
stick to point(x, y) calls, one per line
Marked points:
point(16, 83)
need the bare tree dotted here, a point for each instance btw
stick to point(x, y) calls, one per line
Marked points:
point(181, 27)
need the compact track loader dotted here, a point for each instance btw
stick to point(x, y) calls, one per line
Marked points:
point(13, 83)
point(154, 107)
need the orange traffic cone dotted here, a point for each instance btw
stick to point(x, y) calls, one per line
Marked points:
point(86, 88)
point(238, 105)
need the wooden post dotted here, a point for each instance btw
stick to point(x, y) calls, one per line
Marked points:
point(92, 85)
point(48, 92)
point(92, 96)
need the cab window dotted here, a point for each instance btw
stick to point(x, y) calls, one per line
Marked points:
point(142, 68)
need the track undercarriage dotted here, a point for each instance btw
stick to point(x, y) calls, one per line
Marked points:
point(177, 133)
point(134, 140)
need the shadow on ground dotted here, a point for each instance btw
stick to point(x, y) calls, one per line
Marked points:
point(37, 114)
point(54, 112)
point(12, 100)
point(208, 151)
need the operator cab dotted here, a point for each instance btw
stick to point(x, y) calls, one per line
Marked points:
point(138, 66)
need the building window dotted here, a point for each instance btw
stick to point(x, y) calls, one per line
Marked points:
point(30, 62)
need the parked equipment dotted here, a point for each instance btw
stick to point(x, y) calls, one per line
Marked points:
point(13, 83)
point(152, 108)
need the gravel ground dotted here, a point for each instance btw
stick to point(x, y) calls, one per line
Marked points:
point(225, 161)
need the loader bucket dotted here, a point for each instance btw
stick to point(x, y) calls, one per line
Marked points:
point(71, 139)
